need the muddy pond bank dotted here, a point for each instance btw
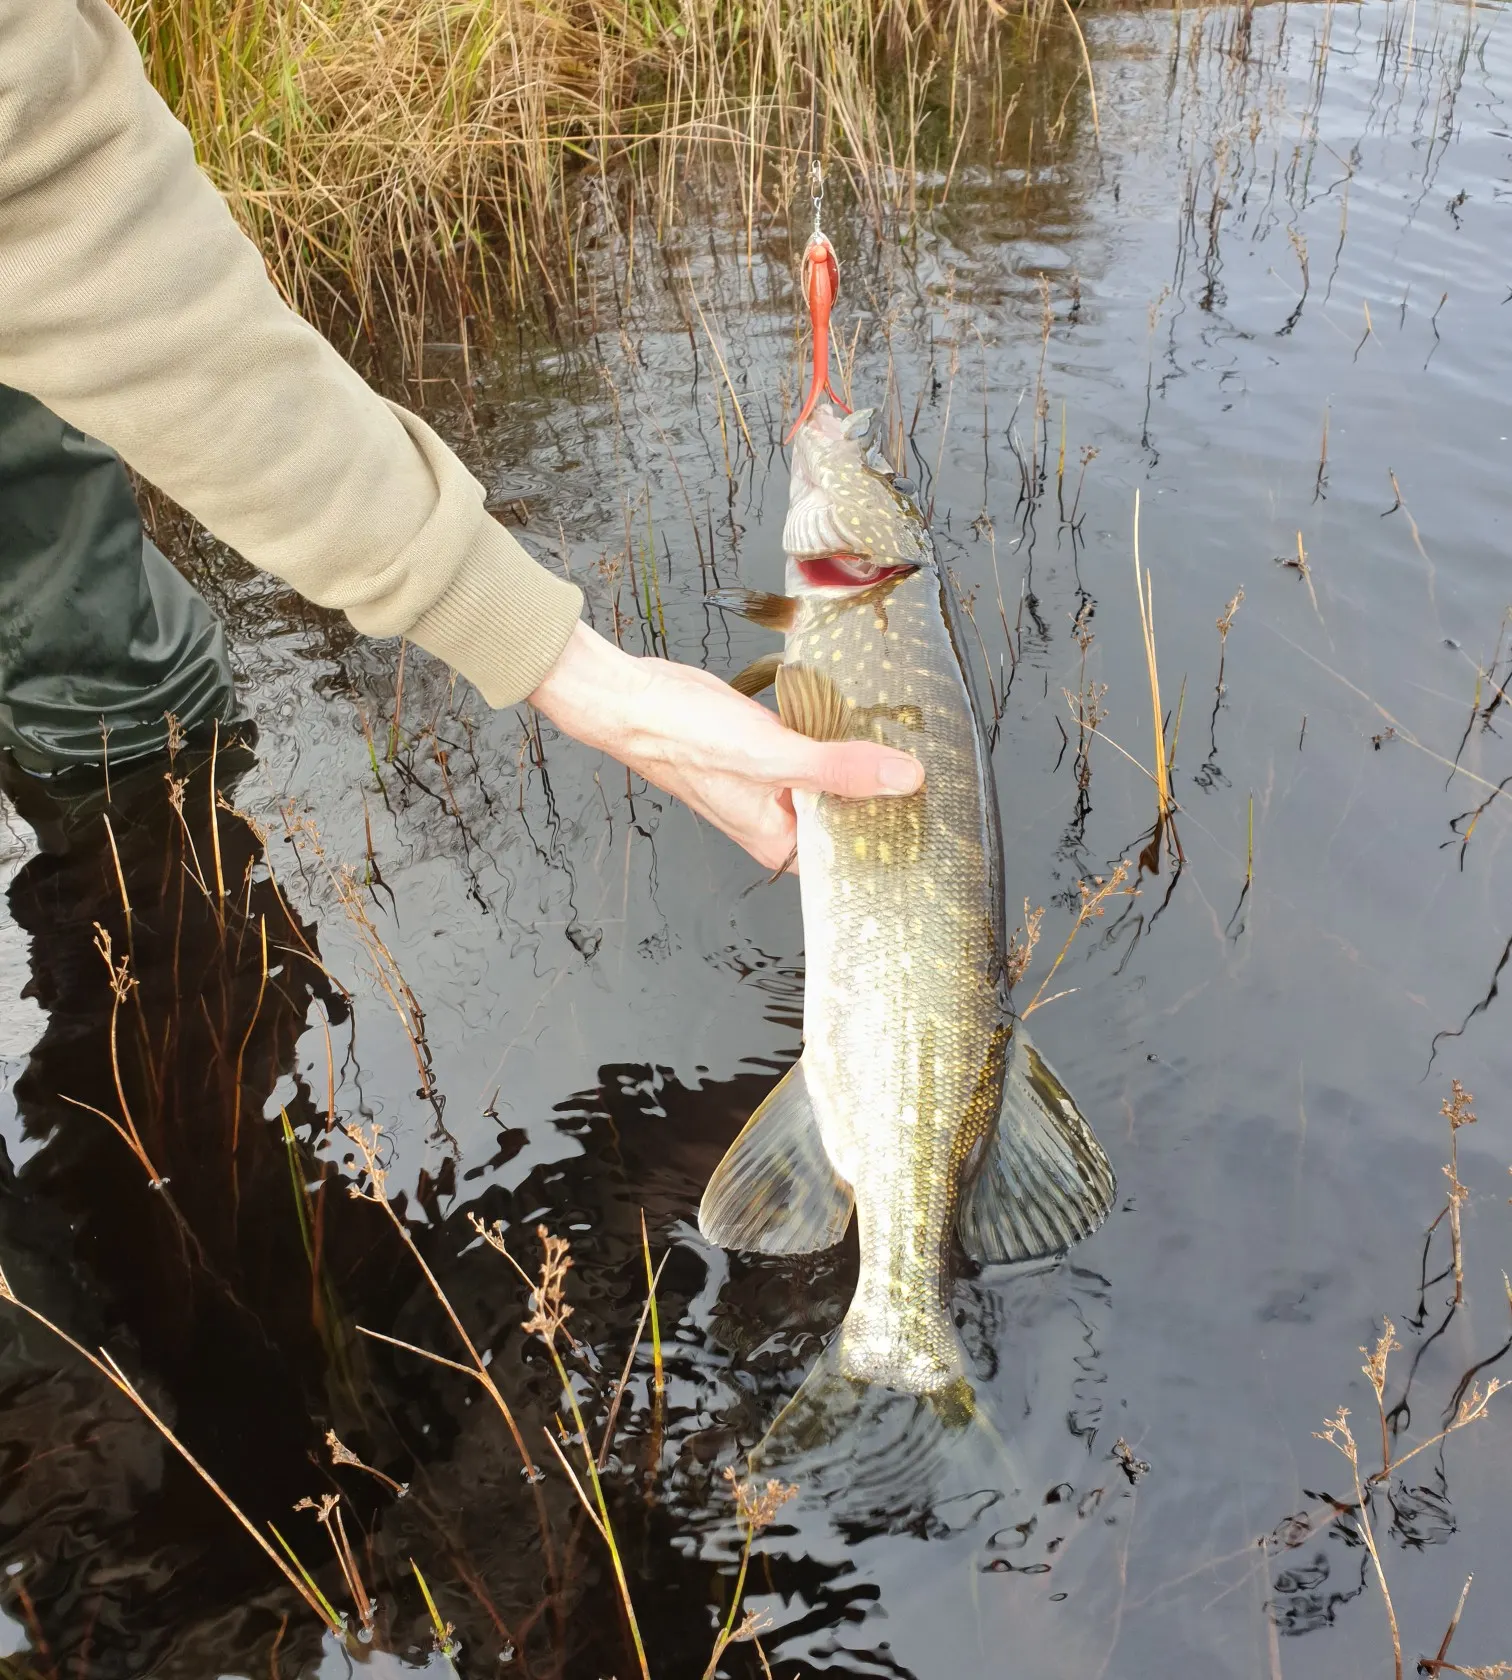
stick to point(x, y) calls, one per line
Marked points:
point(1272, 301)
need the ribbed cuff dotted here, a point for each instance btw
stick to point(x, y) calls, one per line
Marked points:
point(503, 621)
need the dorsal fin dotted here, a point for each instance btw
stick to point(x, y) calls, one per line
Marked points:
point(1045, 1182)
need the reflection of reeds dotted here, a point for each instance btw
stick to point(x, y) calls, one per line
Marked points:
point(348, 888)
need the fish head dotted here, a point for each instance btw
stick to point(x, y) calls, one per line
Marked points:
point(851, 521)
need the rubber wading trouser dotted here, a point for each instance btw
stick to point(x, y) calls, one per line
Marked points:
point(100, 637)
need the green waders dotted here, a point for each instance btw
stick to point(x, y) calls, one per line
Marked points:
point(99, 636)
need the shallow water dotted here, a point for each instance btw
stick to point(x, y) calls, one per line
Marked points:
point(1294, 230)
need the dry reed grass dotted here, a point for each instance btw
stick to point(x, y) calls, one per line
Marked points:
point(1092, 903)
point(394, 157)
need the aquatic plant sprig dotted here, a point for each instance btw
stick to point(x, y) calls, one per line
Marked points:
point(445, 1634)
point(1337, 1432)
point(757, 1507)
point(122, 987)
point(1092, 903)
point(343, 1454)
point(1144, 588)
point(550, 1311)
point(1456, 1109)
point(327, 1509)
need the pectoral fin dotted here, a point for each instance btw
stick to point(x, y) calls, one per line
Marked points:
point(1045, 1182)
point(758, 675)
point(771, 612)
point(776, 1191)
point(810, 703)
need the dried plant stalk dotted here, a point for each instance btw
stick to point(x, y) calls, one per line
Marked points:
point(117, 1378)
point(1094, 903)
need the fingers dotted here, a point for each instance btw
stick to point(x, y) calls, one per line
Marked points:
point(857, 770)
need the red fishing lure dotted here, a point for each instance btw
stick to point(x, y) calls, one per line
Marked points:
point(821, 286)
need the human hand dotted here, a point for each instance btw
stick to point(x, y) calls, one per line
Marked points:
point(693, 736)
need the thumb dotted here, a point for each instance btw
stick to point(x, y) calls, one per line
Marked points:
point(858, 770)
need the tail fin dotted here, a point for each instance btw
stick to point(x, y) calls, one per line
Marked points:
point(896, 1337)
point(866, 1449)
point(1046, 1182)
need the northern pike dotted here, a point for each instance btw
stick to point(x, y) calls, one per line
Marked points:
point(918, 1100)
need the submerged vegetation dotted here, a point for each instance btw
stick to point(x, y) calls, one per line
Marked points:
point(453, 156)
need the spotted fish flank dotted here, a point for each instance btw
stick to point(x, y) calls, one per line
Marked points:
point(919, 1099)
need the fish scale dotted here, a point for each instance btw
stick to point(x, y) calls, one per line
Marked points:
point(903, 1028)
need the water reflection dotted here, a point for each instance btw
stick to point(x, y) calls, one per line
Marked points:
point(194, 1283)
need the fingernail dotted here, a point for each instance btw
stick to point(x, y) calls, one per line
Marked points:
point(900, 775)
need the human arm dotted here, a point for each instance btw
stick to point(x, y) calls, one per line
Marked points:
point(132, 305)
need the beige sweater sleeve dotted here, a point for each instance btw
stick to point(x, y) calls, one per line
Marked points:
point(132, 305)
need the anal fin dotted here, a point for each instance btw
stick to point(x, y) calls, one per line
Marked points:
point(776, 1191)
point(1045, 1182)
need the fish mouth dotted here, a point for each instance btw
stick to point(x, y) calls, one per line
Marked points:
point(846, 571)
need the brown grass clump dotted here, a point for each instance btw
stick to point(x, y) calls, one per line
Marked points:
point(392, 155)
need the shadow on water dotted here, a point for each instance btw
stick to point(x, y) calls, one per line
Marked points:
point(1271, 302)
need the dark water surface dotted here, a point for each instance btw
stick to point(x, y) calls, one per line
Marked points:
point(1282, 279)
